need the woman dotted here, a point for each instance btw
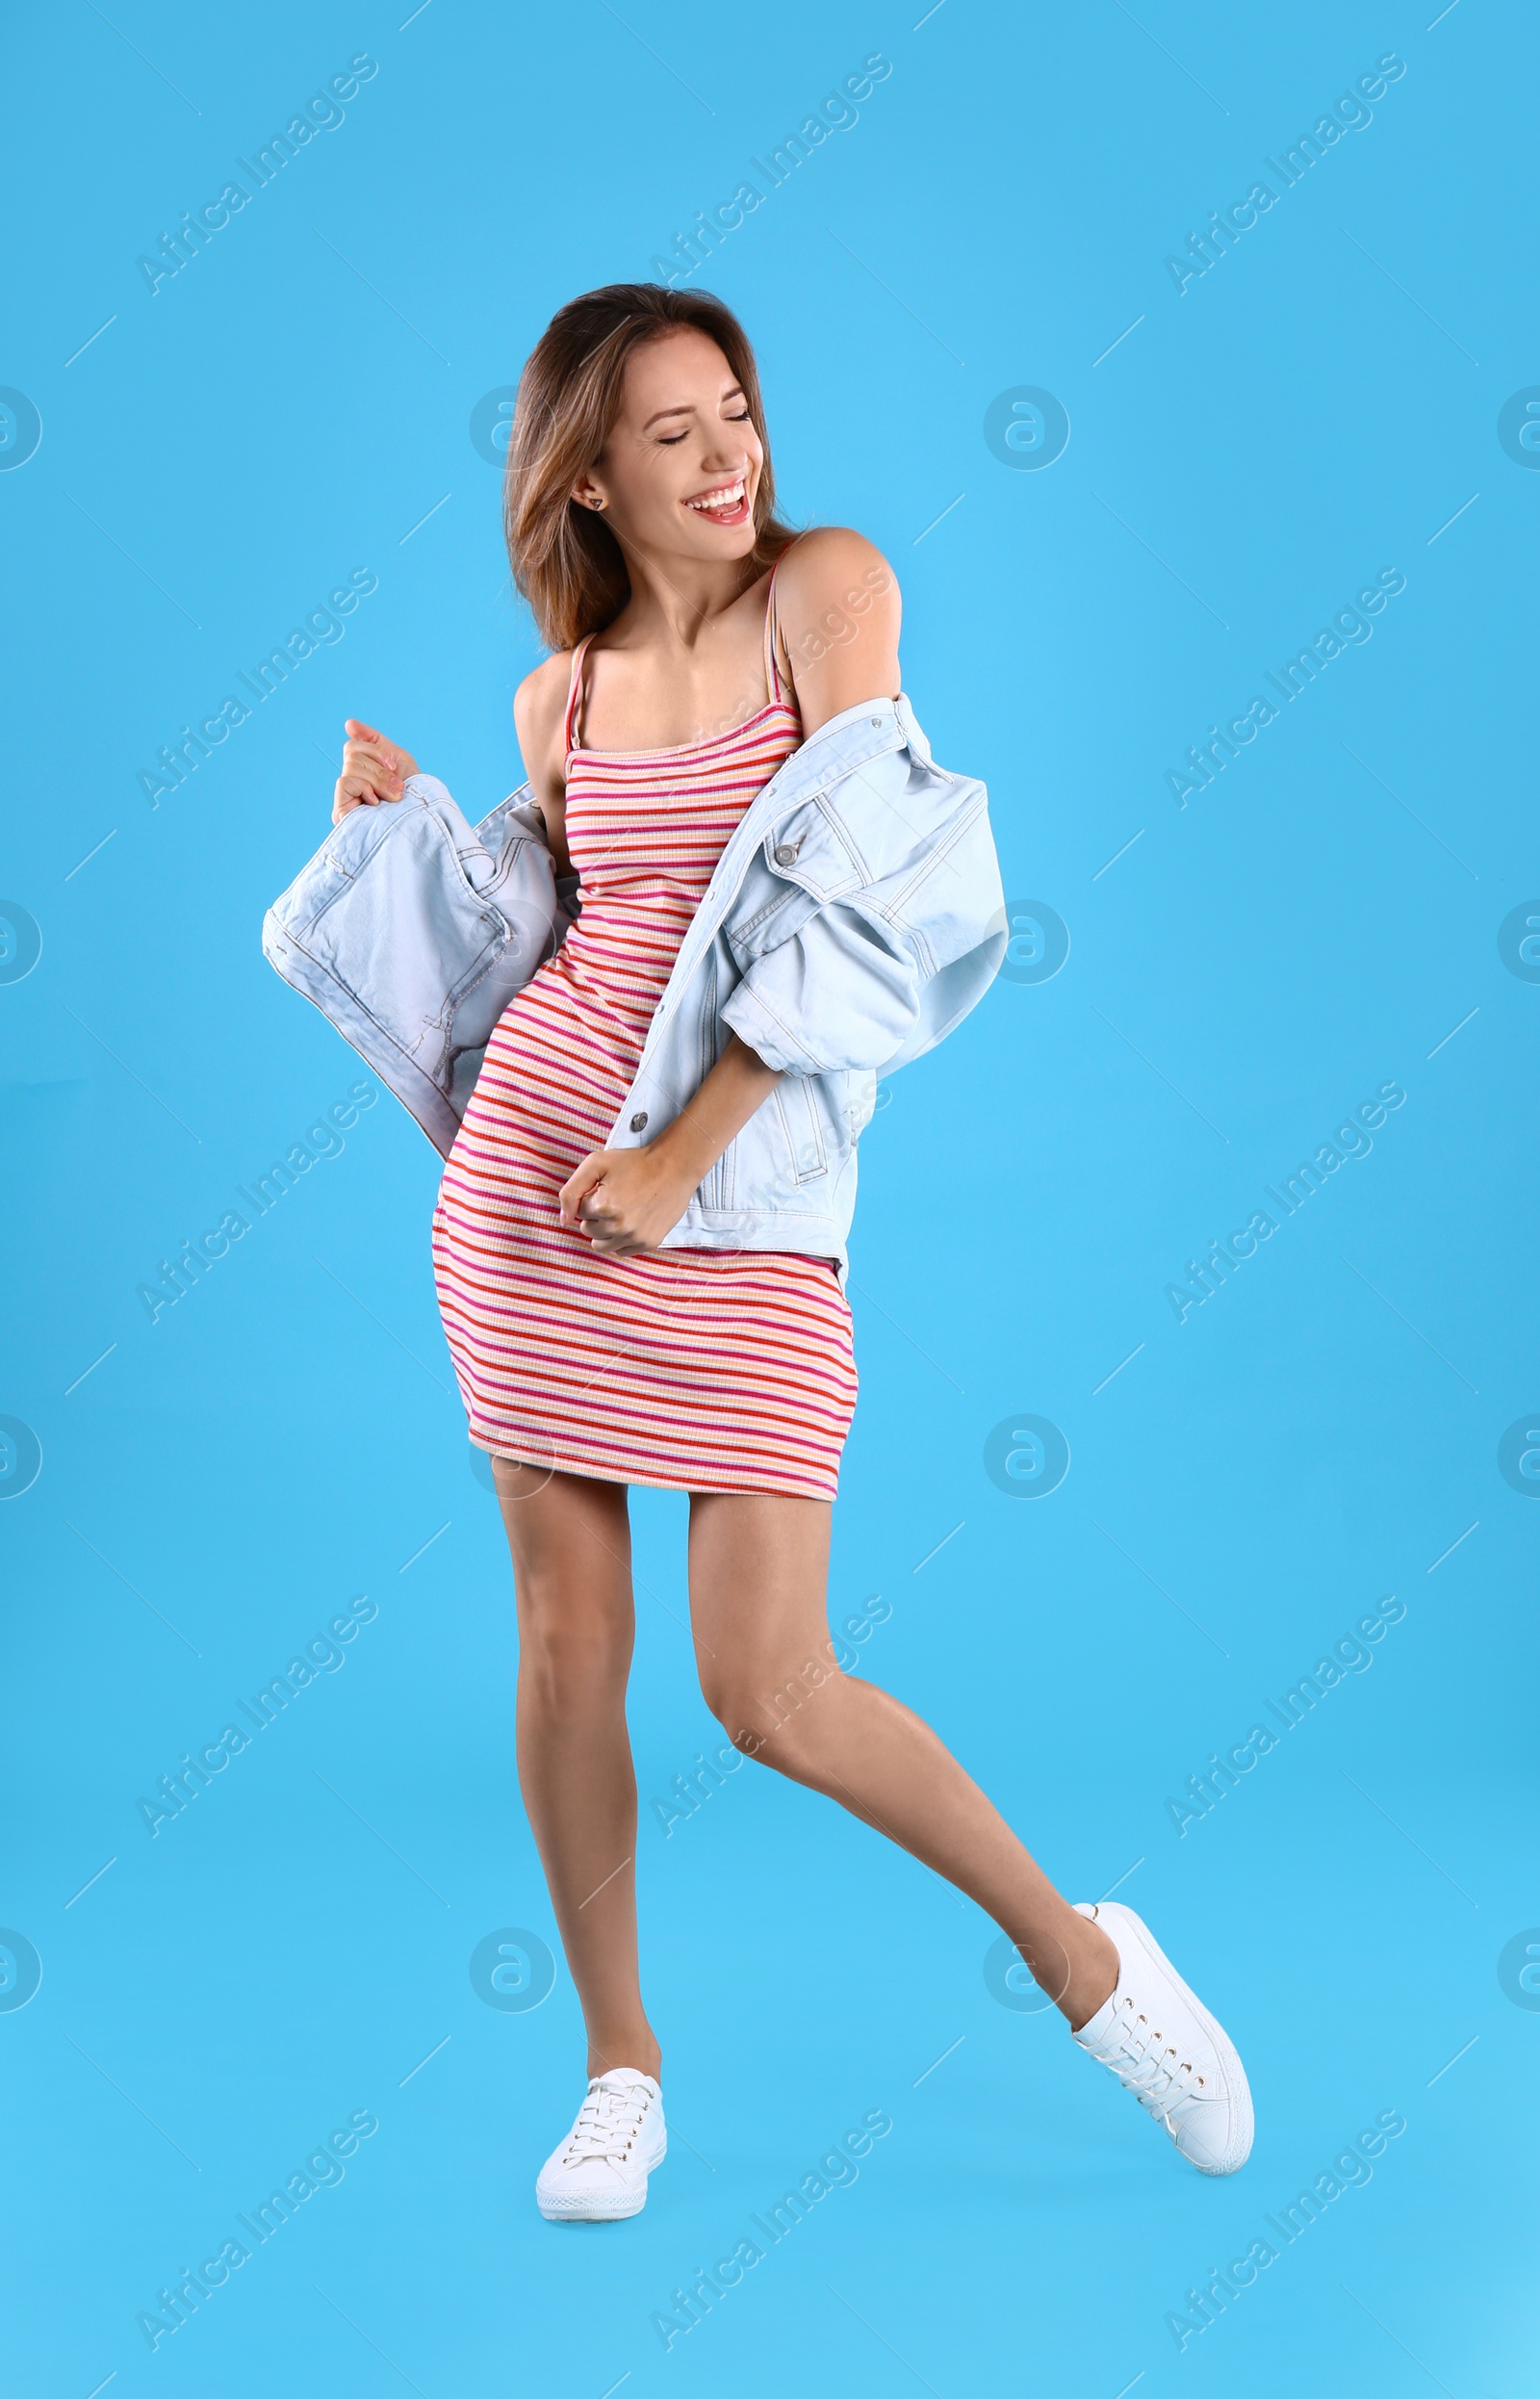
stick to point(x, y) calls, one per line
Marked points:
point(615, 1316)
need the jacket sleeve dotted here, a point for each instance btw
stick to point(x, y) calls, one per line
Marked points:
point(876, 978)
point(843, 992)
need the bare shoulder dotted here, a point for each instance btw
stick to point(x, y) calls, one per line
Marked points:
point(834, 567)
point(541, 696)
point(837, 601)
point(538, 706)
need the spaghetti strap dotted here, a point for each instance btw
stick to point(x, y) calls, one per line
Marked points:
point(574, 696)
point(772, 673)
point(722, 1369)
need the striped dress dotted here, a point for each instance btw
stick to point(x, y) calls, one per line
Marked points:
point(690, 1370)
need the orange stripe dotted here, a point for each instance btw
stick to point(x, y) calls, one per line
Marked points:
point(693, 1370)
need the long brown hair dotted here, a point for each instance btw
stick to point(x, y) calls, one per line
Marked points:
point(565, 558)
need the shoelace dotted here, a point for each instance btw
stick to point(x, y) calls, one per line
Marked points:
point(608, 2121)
point(1150, 2068)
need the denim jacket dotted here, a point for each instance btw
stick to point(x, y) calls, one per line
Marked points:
point(853, 917)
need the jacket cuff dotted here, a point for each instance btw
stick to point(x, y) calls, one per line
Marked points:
point(746, 1014)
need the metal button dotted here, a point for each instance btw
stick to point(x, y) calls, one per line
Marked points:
point(785, 853)
point(639, 1120)
point(877, 721)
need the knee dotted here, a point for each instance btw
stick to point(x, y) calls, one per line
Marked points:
point(729, 1693)
point(737, 1721)
point(773, 1717)
point(567, 1678)
point(571, 1659)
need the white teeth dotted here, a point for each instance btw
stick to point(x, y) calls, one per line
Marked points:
point(728, 496)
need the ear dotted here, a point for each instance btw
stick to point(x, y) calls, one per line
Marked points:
point(587, 494)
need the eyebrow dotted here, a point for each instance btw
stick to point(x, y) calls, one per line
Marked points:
point(735, 391)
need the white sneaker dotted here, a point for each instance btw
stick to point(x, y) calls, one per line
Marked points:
point(1165, 2046)
point(599, 2172)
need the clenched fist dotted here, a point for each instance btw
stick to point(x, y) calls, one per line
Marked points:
point(374, 769)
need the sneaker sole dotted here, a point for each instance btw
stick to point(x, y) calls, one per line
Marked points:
point(618, 2212)
point(1133, 1929)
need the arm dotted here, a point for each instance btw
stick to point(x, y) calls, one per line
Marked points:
point(839, 612)
point(539, 706)
point(876, 978)
point(626, 1199)
point(881, 973)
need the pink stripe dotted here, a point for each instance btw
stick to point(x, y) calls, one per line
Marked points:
point(688, 1369)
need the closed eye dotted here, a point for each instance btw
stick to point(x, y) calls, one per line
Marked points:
point(670, 441)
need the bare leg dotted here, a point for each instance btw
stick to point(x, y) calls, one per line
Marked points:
point(759, 1570)
point(571, 1541)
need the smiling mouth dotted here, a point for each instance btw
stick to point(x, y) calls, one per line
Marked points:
point(724, 504)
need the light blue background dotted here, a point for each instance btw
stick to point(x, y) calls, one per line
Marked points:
point(1321, 405)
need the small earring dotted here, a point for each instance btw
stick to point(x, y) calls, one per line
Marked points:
point(597, 504)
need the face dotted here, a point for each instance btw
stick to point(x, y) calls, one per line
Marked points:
point(681, 467)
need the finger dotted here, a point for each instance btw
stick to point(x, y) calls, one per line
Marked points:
point(363, 757)
point(609, 1224)
point(372, 782)
point(359, 787)
point(370, 738)
point(362, 787)
point(586, 1174)
point(374, 786)
point(585, 1178)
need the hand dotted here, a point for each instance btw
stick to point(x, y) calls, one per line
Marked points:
point(626, 1199)
point(374, 769)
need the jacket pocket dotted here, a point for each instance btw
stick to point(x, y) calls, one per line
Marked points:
point(797, 1109)
point(813, 847)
